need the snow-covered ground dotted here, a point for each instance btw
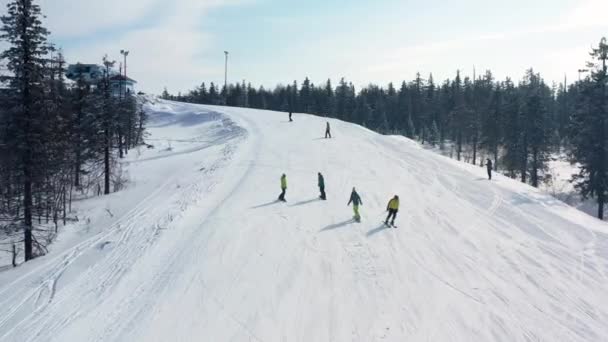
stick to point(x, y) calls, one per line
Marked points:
point(197, 248)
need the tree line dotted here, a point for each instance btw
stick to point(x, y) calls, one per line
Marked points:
point(57, 138)
point(517, 125)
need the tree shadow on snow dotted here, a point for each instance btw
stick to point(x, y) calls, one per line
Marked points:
point(337, 225)
point(305, 202)
point(377, 230)
point(265, 204)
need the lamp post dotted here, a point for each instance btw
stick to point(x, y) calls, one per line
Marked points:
point(125, 54)
point(226, 71)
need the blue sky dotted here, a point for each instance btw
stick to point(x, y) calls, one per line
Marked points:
point(180, 44)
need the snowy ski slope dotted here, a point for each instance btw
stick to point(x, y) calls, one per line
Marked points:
point(197, 249)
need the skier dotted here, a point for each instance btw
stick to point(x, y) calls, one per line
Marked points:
point(290, 120)
point(356, 200)
point(489, 167)
point(283, 188)
point(327, 131)
point(392, 207)
point(322, 186)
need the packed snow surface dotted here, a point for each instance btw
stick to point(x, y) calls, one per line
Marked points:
point(197, 248)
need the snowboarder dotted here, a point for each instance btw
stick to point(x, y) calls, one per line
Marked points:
point(392, 207)
point(290, 119)
point(322, 186)
point(283, 188)
point(327, 131)
point(489, 167)
point(356, 201)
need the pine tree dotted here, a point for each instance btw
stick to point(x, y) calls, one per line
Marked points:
point(106, 110)
point(328, 100)
point(512, 128)
point(491, 123)
point(305, 96)
point(214, 97)
point(27, 38)
point(459, 115)
point(342, 98)
point(588, 130)
point(165, 95)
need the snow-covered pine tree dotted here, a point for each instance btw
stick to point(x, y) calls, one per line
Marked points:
point(25, 56)
point(588, 130)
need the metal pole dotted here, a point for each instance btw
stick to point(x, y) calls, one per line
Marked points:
point(125, 53)
point(226, 72)
point(126, 74)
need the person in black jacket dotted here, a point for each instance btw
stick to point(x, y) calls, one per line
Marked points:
point(489, 167)
point(321, 186)
point(355, 199)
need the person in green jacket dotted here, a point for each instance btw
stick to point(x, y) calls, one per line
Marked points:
point(355, 199)
point(283, 188)
point(322, 186)
point(392, 207)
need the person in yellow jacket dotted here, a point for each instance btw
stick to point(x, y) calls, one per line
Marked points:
point(392, 208)
point(283, 188)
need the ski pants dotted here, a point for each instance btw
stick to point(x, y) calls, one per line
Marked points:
point(327, 134)
point(391, 213)
point(489, 174)
point(282, 195)
point(356, 211)
point(322, 190)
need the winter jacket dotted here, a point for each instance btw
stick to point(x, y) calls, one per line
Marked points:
point(283, 182)
point(355, 199)
point(321, 181)
point(489, 164)
point(393, 204)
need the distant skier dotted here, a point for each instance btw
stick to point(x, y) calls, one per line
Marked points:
point(489, 167)
point(283, 188)
point(327, 131)
point(392, 207)
point(356, 201)
point(322, 186)
point(290, 119)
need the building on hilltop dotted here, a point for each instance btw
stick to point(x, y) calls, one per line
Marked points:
point(93, 74)
point(121, 85)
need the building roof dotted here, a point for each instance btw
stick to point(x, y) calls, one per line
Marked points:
point(122, 78)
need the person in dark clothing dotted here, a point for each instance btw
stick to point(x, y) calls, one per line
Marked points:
point(355, 199)
point(322, 186)
point(283, 188)
point(327, 131)
point(392, 207)
point(489, 167)
point(290, 119)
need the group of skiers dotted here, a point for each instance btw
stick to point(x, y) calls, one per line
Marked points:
point(392, 207)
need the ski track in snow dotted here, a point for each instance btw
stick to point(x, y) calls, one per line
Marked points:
point(209, 254)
